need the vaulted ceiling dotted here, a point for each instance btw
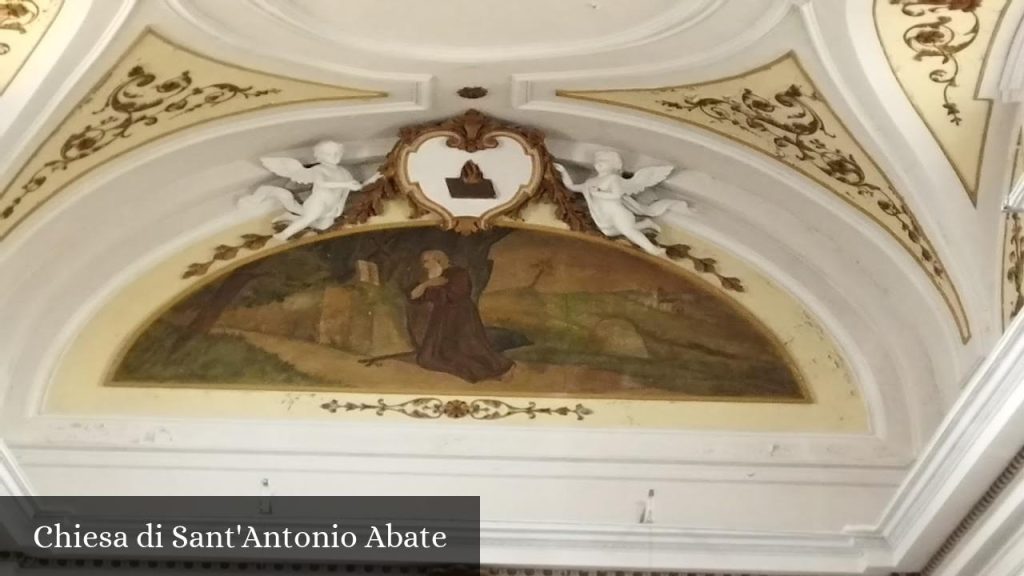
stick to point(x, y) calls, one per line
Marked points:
point(846, 162)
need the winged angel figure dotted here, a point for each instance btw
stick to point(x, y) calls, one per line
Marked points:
point(612, 203)
point(331, 182)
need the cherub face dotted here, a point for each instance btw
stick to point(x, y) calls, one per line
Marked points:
point(328, 152)
point(607, 162)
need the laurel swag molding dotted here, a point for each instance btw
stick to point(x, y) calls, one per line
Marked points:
point(776, 110)
point(156, 89)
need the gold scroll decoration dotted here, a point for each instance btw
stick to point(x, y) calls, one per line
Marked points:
point(938, 49)
point(156, 89)
point(22, 25)
point(429, 408)
point(1013, 248)
point(777, 110)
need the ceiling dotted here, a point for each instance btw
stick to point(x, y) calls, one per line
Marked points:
point(846, 161)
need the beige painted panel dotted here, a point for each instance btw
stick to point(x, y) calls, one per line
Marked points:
point(78, 382)
point(1013, 248)
point(938, 53)
point(22, 25)
point(155, 90)
point(777, 110)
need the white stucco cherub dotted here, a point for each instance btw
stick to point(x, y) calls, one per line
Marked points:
point(331, 182)
point(610, 198)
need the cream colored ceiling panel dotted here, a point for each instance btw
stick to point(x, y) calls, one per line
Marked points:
point(938, 52)
point(777, 110)
point(155, 90)
point(22, 25)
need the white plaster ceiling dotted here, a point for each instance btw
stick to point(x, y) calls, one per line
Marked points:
point(799, 492)
point(475, 31)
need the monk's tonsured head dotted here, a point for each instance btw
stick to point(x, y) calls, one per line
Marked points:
point(434, 262)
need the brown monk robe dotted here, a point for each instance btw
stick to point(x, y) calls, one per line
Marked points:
point(445, 325)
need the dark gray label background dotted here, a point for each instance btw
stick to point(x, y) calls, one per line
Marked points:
point(458, 517)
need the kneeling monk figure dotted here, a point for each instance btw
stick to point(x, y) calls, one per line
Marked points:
point(445, 325)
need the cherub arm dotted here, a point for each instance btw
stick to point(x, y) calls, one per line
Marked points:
point(353, 185)
point(339, 182)
point(350, 185)
point(376, 176)
point(567, 181)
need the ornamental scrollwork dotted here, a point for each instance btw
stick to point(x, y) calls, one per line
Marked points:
point(1014, 265)
point(374, 196)
point(140, 101)
point(16, 16)
point(471, 131)
point(798, 134)
point(947, 27)
point(478, 409)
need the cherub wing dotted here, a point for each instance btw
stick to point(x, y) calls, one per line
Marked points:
point(289, 168)
point(645, 178)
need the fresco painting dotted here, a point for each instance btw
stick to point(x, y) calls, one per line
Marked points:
point(505, 311)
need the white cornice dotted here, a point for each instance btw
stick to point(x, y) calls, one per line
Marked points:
point(974, 444)
point(990, 539)
point(12, 481)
